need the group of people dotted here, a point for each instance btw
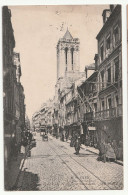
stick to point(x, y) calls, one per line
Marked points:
point(107, 151)
point(26, 138)
point(110, 151)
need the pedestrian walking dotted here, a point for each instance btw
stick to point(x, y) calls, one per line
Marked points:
point(77, 145)
point(73, 139)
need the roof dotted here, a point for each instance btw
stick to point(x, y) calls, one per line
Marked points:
point(67, 35)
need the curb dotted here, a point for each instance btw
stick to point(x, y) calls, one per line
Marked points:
point(117, 162)
point(15, 187)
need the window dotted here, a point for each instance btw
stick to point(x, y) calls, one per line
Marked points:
point(116, 34)
point(109, 103)
point(116, 69)
point(72, 53)
point(90, 89)
point(102, 52)
point(95, 107)
point(102, 105)
point(66, 54)
point(109, 76)
point(102, 79)
point(117, 100)
point(108, 42)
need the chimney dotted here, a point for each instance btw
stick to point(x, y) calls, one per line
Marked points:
point(105, 15)
point(112, 7)
point(96, 61)
point(86, 72)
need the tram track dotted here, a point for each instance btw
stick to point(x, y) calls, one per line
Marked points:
point(71, 163)
point(69, 168)
point(104, 183)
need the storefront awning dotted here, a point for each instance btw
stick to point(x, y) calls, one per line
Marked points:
point(92, 128)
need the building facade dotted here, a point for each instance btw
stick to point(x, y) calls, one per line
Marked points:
point(14, 108)
point(8, 82)
point(19, 100)
point(108, 118)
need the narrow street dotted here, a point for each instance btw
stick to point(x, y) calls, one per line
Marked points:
point(54, 166)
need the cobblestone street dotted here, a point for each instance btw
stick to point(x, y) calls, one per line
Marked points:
point(54, 166)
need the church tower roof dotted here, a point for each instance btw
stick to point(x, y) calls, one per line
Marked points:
point(67, 35)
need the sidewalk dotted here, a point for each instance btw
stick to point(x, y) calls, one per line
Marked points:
point(95, 151)
point(12, 173)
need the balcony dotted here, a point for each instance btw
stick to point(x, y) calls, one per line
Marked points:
point(109, 113)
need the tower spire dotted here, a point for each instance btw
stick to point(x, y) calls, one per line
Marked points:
point(67, 56)
point(67, 35)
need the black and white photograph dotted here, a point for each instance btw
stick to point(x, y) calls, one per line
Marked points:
point(62, 97)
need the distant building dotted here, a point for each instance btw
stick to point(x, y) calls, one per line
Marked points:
point(44, 117)
point(36, 121)
point(68, 71)
point(27, 122)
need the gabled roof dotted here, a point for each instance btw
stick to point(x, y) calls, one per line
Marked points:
point(67, 35)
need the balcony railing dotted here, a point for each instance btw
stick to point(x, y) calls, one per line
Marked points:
point(109, 113)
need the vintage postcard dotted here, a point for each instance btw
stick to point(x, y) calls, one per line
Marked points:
point(62, 97)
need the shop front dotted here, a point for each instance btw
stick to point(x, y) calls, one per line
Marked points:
point(92, 136)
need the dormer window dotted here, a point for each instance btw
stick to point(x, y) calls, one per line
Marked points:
point(105, 14)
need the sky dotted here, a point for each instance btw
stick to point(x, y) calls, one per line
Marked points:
point(37, 30)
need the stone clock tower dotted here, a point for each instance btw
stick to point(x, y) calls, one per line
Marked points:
point(67, 56)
